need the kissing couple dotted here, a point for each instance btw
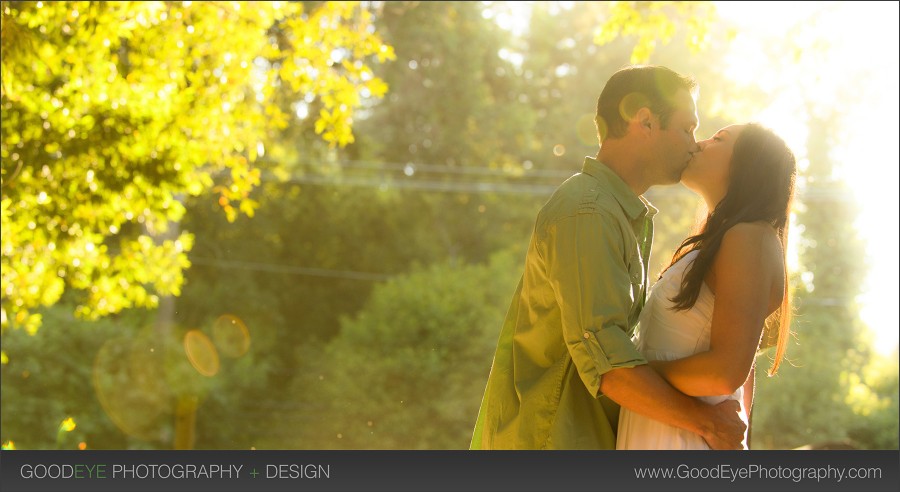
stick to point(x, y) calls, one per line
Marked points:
point(589, 357)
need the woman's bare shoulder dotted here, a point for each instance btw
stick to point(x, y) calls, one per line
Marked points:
point(744, 235)
point(759, 228)
point(757, 242)
point(751, 255)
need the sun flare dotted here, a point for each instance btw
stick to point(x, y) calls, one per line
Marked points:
point(855, 73)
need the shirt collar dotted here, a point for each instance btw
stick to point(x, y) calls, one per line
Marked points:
point(634, 206)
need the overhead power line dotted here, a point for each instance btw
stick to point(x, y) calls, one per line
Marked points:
point(407, 176)
point(457, 186)
point(413, 168)
point(445, 186)
point(290, 269)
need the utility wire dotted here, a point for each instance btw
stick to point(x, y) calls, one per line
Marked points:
point(377, 277)
point(412, 167)
point(409, 181)
point(447, 186)
point(294, 270)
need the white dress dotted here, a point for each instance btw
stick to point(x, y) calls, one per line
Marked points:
point(667, 334)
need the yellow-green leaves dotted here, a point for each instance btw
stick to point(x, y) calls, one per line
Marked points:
point(114, 112)
point(67, 425)
point(334, 61)
point(655, 22)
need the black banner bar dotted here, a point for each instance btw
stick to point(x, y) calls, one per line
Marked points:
point(470, 471)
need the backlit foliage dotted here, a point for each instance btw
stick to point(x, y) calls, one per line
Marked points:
point(656, 22)
point(114, 112)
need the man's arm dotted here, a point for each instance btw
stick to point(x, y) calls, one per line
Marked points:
point(642, 390)
point(584, 254)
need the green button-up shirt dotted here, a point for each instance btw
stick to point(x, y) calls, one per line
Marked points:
point(571, 319)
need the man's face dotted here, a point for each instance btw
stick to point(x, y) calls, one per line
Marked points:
point(675, 144)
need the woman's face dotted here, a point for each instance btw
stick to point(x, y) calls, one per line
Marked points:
point(708, 171)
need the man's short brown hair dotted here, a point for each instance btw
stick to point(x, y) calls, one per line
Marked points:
point(634, 87)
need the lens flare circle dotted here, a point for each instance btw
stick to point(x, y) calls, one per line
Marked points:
point(201, 353)
point(129, 380)
point(231, 336)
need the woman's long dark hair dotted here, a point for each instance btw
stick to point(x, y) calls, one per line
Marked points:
point(761, 188)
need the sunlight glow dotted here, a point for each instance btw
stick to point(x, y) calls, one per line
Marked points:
point(510, 16)
point(847, 60)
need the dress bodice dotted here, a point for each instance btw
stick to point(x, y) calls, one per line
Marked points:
point(664, 333)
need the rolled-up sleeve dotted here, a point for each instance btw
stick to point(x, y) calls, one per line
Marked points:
point(585, 255)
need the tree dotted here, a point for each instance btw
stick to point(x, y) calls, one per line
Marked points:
point(456, 122)
point(565, 60)
point(122, 382)
point(350, 210)
point(49, 378)
point(363, 278)
point(113, 112)
point(317, 245)
point(654, 22)
point(327, 216)
point(418, 352)
point(830, 388)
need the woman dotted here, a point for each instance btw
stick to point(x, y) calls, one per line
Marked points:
point(704, 320)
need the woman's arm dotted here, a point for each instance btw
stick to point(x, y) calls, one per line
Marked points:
point(749, 275)
point(641, 390)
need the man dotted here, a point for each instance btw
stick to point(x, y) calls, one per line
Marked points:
point(565, 361)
